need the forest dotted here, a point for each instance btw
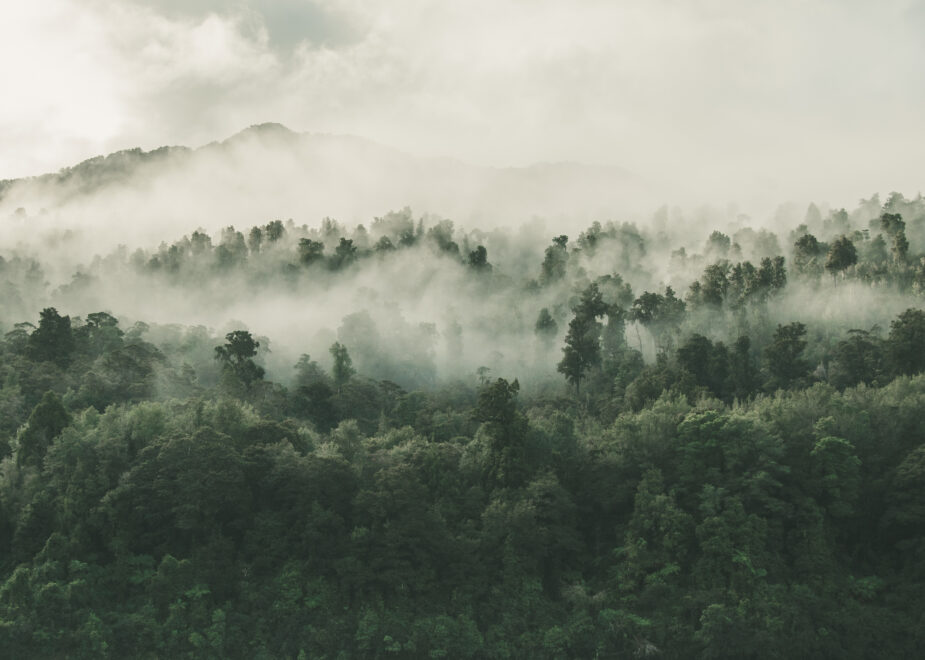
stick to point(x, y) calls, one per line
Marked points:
point(686, 437)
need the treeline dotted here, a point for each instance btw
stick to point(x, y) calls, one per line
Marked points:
point(874, 244)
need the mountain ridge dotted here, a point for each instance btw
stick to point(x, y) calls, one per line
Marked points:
point(104, 169)
point(269, 171)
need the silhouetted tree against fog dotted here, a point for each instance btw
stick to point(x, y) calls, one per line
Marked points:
point(546, 328)
point(343, 370)
point(894, 227)
point(310, 252)
point(582, 349)
point(478, 259)
point(660, 314)
point(237, 356)
point(807, 255)
point(842, 255)
point(555, 260)
point(53, 340)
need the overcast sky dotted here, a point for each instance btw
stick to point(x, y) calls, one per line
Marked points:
point(793, 98)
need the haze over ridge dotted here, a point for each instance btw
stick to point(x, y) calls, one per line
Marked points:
point(268, 171)
point(747, 102)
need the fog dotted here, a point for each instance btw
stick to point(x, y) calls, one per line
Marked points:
point(117, 234)
point(268, 172)
point(135, 124)
point(710, 102)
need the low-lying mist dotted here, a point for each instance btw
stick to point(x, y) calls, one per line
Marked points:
point(268, 171)
point(419, 300)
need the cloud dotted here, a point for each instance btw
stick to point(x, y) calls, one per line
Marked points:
point(734, 99)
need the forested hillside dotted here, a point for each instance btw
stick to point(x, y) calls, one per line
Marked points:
point(407, 439)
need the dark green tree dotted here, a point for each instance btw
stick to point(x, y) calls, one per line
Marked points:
point(718, 243)
point(45, 423)
point(784, 357)
point(582, 349)
point(101, 334)
point(546, 327)
point(894, 227)
point(478, 259)
point(255, 239)
point(53, 340)
point(906, 342)
point(275, 230)
point(807, 255)
point(744, 378)
point(343, 370)
point(310, 252)
point(507, 431)
point(857, 359)
point(842, 255)
point(237, 356)
point(555, 260)
point(344, 254)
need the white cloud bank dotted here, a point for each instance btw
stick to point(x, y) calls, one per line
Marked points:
point(733, 100)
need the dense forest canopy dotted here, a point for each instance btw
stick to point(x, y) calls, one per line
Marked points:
point(408, 439)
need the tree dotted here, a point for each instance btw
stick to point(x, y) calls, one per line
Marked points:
point(275, 230)
point(255, 239)
point(718, 243)
point(343, 370)
point(237, 356)
point(53, 340)
point(712, 288)
point(308, 372)
point(707, 363)
point(743, 373)
point(345, 253)
point(894, 227)
point(836, 473)
point(46, 422)
point(841, 256)
point(507, 432)
point(442, 236)
point(582, 342)
point(310, 251)
point(100, 334)
point(784, 356)
point(660, 314)
point(555, 260)
point(478, 259)
point(806, 254)
point(859, 358)
point(384, 245)
point(906, 343)
point(546, 327)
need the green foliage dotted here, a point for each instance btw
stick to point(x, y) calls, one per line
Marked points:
point(237, 356)
point(784, 357)
point(478, 259)
point(841, 255)
point(555, 260)
point(546, 327)
point(343, 369)
point(53, 340)
point(45, 423)
point(906, 344)
point(162, 496)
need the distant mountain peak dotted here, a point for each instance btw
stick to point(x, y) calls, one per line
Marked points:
point(271, 169)
point(271, 130)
